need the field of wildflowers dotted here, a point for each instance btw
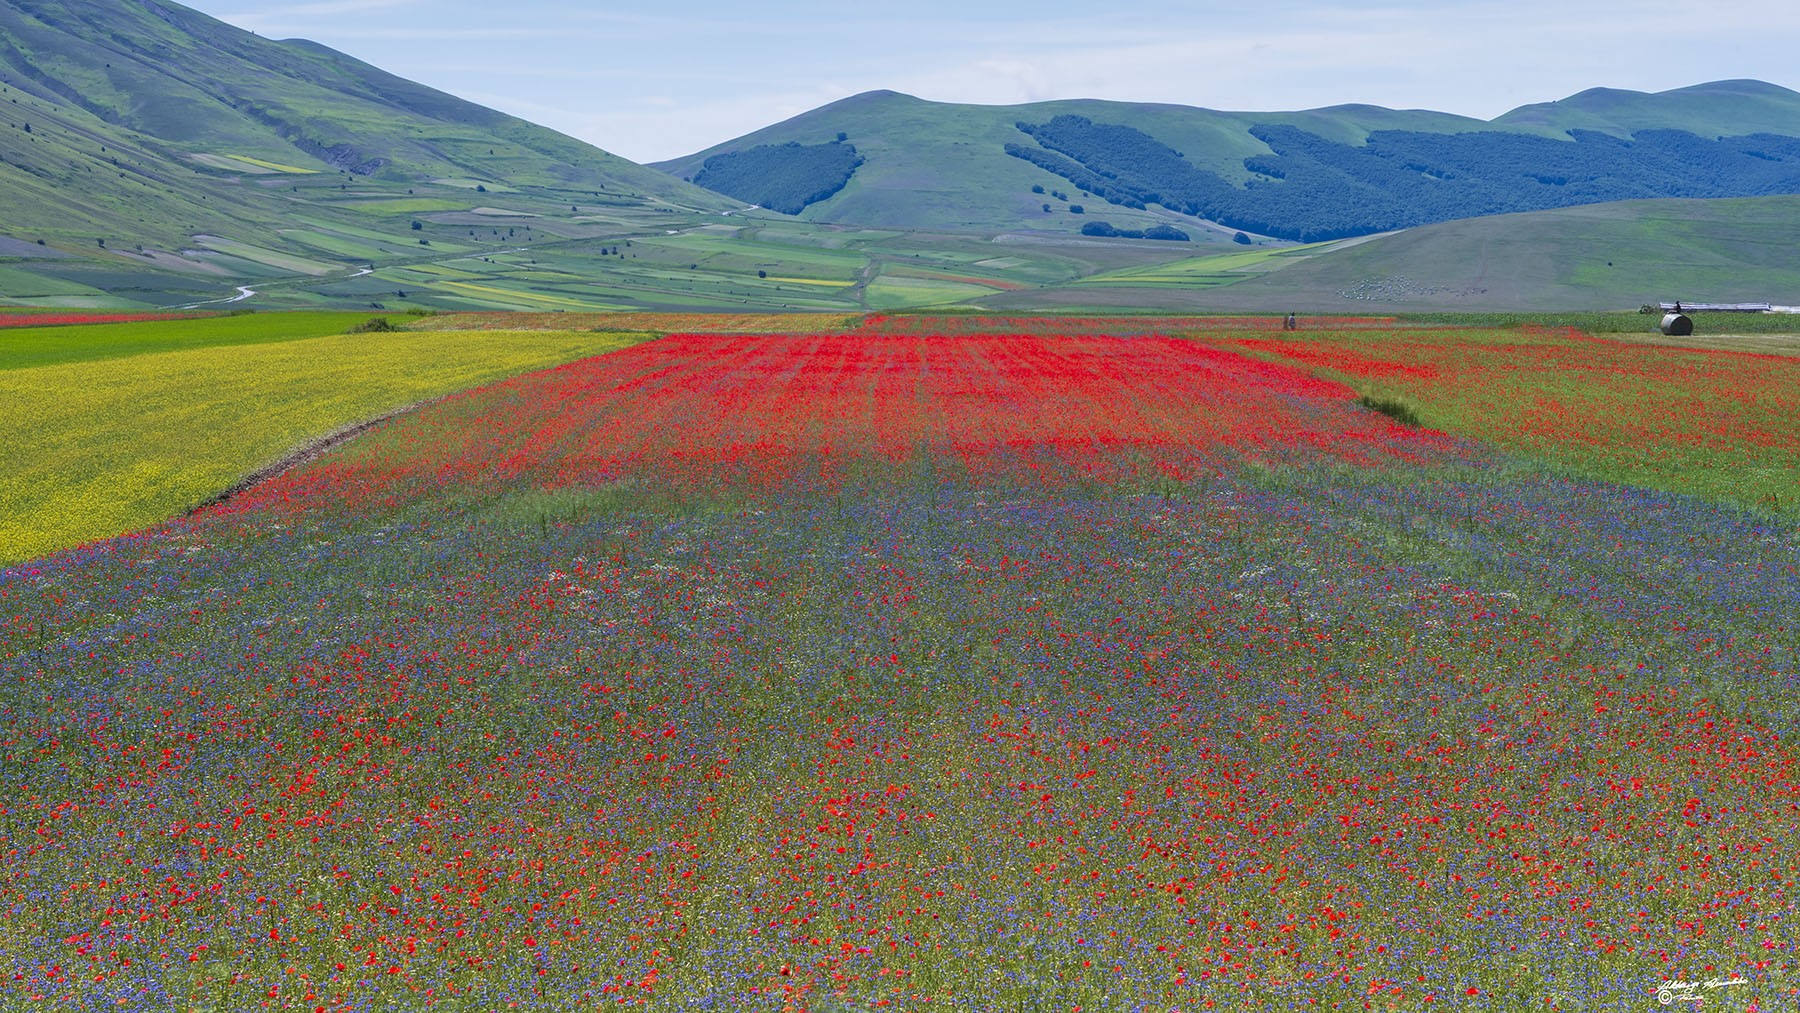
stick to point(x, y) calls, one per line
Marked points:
point(1724, 425)
point(973, 666)
point(106, 445)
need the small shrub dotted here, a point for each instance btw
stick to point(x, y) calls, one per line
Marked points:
point(374, 325)
point(1393, 408)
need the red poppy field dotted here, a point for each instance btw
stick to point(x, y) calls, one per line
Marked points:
point(942, 664)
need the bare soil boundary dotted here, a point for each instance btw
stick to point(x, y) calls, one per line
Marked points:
point(306, 453)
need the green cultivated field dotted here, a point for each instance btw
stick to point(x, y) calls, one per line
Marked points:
point(1599, 257)
point(729, 265)
point(23, 347)
point(1211, 271)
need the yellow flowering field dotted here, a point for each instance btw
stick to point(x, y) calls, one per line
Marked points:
point(99, 448)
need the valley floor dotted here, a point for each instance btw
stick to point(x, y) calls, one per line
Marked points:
point(938, 663)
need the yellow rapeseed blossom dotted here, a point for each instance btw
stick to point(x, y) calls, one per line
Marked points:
point(96, 449)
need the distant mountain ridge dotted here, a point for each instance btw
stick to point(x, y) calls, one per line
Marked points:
point(151, 156)
point(1308, 175)
point(146, 121)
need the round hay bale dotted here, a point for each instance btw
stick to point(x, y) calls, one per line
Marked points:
point(1676, 325)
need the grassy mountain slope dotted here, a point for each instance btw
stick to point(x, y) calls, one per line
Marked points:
point(1601, 256)
point(933, 164)
point(1609, 256)
point(198, 86)
point(1709, 110)
point(149, 138)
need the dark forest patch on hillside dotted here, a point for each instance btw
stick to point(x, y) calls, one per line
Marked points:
point(1311, 189)
point(781, 177)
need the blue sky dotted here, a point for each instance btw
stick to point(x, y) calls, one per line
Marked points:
point(652, 81)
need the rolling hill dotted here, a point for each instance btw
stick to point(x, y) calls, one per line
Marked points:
point(160, 144)
point(1613, 256)
point(151, 156)
point(1311, 175)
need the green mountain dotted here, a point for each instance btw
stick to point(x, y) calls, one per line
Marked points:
point(147, 137)
point(1709, 110)
point(1612, 256)
point(1316, 174)
point(151, 156)
point(1615, 256)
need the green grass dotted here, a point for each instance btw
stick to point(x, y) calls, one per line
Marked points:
point(152, 156)
point(1602, 256)
point(704, 271)
point(405, 206)
point(724, 253)
point(887, 293)
point(18, 283)
point(27, 347)
point(471, 184)
point(337, 245)
point(284, 263)
point(1219, 269)
point(107, 446)
point(1710, 110)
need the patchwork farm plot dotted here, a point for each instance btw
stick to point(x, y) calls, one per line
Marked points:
point(943, 664)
